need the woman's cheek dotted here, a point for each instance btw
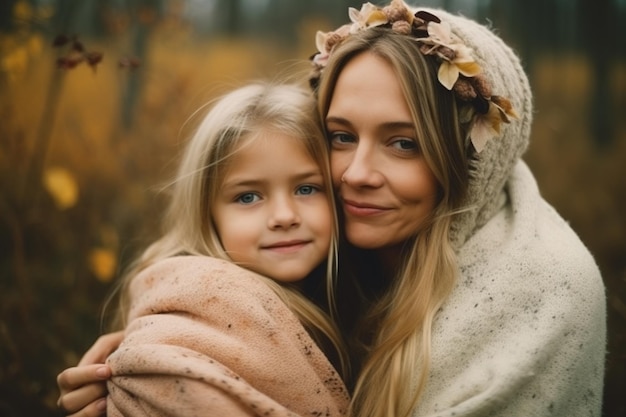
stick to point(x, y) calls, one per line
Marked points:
point(337, 168)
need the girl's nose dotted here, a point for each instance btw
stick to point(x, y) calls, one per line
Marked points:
point(283, 214)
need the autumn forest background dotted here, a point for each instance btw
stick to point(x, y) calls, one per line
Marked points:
point(97, 98)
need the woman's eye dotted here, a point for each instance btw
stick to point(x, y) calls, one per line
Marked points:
point(405, 145)
point(247, 198)
point(341, 137)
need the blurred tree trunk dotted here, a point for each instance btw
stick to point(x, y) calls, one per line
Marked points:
point(597, 26)
point(233, 17)
point(6, 15)
point(144, 13)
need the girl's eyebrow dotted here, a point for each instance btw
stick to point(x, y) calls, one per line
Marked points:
point(244, 182)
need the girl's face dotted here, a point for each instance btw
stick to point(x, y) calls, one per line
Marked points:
point(272, 213)
point(384, 185)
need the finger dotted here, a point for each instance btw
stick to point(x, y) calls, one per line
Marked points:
point(88, 400)
point(75, 377)
point(102, 348)
point(95, 409)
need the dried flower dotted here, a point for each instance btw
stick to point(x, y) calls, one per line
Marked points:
point(458, 71)
point(402, 27)
point(398, 11)
point(464, 89)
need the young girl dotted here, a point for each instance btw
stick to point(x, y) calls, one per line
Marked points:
point(253, 189)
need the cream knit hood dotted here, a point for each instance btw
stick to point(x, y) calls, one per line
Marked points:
point(494, 164)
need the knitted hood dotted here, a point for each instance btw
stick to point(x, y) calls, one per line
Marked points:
point(491, 168)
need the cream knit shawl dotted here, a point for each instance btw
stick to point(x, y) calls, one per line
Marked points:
point(523, 333)
point(207, 338)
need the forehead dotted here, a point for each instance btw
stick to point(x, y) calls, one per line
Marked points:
point(267, 138)
point(369, 85)
point(268, 145)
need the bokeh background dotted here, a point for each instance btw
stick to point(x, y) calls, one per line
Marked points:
point(97, 98)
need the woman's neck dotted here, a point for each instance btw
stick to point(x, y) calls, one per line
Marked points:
point(389, 258)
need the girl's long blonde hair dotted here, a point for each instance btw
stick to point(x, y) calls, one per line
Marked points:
point(188, 227)
point(397, 359)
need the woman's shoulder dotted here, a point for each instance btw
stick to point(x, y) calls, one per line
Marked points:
point(526, 234)
point(528, 249)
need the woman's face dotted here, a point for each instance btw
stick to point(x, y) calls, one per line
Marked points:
point(383, 183)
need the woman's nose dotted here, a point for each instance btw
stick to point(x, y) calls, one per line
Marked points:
point(362, 169)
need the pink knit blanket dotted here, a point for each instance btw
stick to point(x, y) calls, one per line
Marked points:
point(207, 338)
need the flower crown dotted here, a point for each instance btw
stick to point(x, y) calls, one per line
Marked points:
point(457, 72)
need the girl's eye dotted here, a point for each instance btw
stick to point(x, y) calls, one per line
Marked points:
point(307, 190)
point(247, 198)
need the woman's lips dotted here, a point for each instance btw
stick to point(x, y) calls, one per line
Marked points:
point(362, 209)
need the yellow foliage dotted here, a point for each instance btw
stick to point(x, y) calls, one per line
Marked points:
point(35, 44)
point(103, 263)
point(14, 63)
point(16, 55)
point(62, 186)
point(22, 10)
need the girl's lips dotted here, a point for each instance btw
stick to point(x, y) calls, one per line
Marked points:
point(286, 247)
point(362, 209)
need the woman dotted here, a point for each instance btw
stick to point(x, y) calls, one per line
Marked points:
point(476, 297)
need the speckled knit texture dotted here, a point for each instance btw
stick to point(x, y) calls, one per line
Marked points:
point(524, 331)
point(207, 338)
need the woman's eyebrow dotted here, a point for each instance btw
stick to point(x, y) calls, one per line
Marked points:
point(338, 120)
point(399, 124)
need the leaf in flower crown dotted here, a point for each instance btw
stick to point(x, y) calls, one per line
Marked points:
point(505, 107)
point(369, 16)
point(467, 68)
point(376, 18)
point(464, 60)
point(448, 74)
point(427, 17)
point(320, 41)
point(486, 127)
point(440, 34)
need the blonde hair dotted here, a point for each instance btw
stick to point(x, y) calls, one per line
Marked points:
point(188, 227)
point(398, 356)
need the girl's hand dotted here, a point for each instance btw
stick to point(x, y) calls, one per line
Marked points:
point(83, 388)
